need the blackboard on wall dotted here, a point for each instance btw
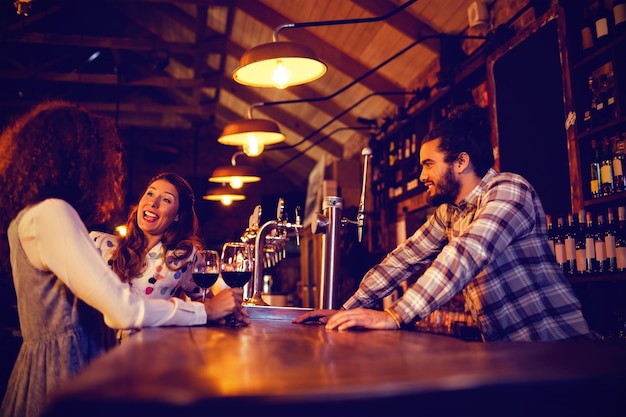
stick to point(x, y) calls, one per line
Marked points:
point(529, 110)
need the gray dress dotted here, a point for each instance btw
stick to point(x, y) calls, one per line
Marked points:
point(61, 334)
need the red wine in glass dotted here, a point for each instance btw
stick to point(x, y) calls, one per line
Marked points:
point(236, 279)
point(205, 280)
point(237, 265)
point(206, 269)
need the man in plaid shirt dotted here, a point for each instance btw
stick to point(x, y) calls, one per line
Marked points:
point(486, 239)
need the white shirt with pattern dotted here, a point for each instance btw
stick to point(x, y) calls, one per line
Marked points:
point(158, 280)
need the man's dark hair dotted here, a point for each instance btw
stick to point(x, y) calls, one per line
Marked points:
point(466, 130)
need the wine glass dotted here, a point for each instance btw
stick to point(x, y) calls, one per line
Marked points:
point(237, 265)
point(206, 269)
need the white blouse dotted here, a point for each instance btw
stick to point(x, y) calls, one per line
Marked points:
point(55, 239)
point(158, 279)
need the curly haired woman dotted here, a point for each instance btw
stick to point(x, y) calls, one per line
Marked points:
point(61, 173)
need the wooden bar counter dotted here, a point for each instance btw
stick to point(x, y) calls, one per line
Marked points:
point(276, 368)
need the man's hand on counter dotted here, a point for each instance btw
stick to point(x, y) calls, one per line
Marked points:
point(320, 316)
point(345, 319)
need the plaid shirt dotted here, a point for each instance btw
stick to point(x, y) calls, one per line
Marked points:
point(492, 247)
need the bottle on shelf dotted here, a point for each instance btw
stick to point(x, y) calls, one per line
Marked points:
point(619, 16)
point(611, 105)
point(590, 111)
point(600, 113)
point(607, 182)
point(587, 31)
point(590, 247)
point(551, 233)
point(620, 240)
point(600, 245)
point(570, 243)
point(559, 246)
point(602, 24)
point(584, 264)
point(609, 240)
point(594, 181)
point(619, 162)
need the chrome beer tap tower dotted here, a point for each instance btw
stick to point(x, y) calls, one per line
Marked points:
point(329, 223)
point(269, 242)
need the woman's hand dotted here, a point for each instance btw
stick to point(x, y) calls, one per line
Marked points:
point(361, 317)
point(224, 303)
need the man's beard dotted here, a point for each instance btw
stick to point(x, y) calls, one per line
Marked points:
point(446, 190)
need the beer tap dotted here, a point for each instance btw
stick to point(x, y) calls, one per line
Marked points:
point(272, 234)
point(329, 223)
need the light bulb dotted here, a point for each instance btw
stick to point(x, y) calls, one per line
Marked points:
point(121, 230)
point(281, 75)
point(254, 147)
point(236, 183)
point(226, 200)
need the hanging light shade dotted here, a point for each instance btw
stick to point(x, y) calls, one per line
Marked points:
point(253, 135)
point(235, 176)
point(223, 195)
point(279, 65)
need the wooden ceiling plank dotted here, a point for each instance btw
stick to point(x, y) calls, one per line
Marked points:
point(403, 21)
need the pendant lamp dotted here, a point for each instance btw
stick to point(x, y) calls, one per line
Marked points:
point(253, 135)
point(234, 175)
point(223, 195)
point(284, 64)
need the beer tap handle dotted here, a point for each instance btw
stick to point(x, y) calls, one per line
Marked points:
point(367, 154)
point(255, 218)
point(298, 222)
point(280, 209)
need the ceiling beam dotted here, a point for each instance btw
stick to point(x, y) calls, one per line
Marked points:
point(111, 79)
point(208, 45)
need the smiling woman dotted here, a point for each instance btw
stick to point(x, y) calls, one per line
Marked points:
point(156, 254)
point(161, 240)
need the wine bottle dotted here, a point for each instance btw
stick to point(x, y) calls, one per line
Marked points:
point(609, 240)
point(582, 266)
point(587, 31)
point(590, 111)
point(559, 246)
point(594, 180)
point(607, 182)
point(601, 108)
point(590, 233)
point(619, 163)
point(551, 233)
point(600, 246)
point(619, 16)
point(570, 244)
point(602, 24)
point(620, 240)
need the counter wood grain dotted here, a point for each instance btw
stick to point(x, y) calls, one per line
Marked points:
point(274, 368)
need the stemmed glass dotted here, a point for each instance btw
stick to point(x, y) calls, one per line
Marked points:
point(206, 269)
point(237, 265)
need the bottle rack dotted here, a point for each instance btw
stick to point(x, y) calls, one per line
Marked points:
point(605, 65)
point(396, 167)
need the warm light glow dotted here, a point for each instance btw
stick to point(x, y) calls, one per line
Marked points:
point(236, 183)
point(223, 197)
point(254, 147)
point(251, 134)
point(236, 176)
point(281, 76)
point(121, 230)
point(279, 65)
